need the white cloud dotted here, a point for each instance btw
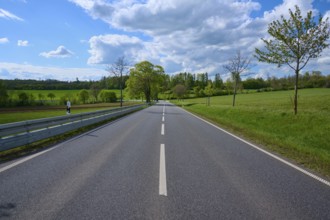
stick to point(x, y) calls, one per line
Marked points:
point(60, 52)
point(28, 71)
point(22, 43)
point(327, 14)
point(4, 40)
point(182, 35)
point(7, 15)
point(283, 9)
point(105, 49)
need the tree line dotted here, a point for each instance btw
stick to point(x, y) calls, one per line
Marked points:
point(199, 85)
point(181, 85)
point(52, 84)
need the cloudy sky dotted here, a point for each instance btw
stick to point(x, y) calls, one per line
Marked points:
point(69, 39)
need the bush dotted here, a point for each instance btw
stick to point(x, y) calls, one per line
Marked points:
point(84, 95)
point(108, 96)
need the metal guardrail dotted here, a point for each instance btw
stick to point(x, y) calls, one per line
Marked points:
point(22, 133)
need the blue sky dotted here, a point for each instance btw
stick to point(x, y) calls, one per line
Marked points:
point(69, 39)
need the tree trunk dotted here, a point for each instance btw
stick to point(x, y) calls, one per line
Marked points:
point(235, 88)
point(121, 90)
point(147, 94)
point(296, 93)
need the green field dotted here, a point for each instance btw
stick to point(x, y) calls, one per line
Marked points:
point(267, 119)
point(10, 115)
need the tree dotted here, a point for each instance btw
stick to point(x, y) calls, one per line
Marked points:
point(218, 83)
point(3, 94)
point(119, 68)
point(23, 98)
point(179, 90)
point(294, 42)
point(108, 96)
point(236, 66)
point(41, 97)
point(51, 96)
point(83, 95)
point(95, 90)
point(145, 78)
point(209, 91)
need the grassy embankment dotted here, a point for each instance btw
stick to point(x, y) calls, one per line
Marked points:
point(267, 119)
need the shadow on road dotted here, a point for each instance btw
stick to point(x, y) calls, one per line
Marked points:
point(6, 208)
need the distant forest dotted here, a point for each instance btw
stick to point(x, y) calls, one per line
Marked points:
point(313, 79)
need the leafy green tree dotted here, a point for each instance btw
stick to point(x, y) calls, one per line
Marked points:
point(145, 78)
point(108, 96)
point(95, 91)
point(209, 91)
point(51, 96)
point(294, 42)
point(83, 95)
point(179, 91)
point(23, 98)
point(218, 83)
point(41, 98)
point(3, 94)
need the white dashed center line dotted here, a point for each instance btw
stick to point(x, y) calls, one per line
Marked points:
point(162, 172)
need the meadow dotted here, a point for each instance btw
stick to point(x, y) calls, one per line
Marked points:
point(10, 115)
point(267, 119)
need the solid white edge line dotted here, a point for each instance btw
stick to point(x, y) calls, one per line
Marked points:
point(24, 160)
point(162, 172)
point(266, 152)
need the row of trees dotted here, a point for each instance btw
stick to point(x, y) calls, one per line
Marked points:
point(110, 82)
point(181, 85)
point(49, 84)
point(24, 98)
point(313, 79)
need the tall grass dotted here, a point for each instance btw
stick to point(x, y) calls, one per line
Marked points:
point(268, 119)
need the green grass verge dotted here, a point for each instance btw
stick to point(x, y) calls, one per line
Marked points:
point(267, 119)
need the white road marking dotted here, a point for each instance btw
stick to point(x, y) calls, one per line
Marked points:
point(24, 160)
point(163, 130)
point(162, 172)
point(48, 150)
point(163, 119)
point(266, 152)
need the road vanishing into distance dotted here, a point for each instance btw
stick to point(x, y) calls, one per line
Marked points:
point(158, 163)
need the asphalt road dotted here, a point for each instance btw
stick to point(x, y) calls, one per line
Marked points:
point(158, 163)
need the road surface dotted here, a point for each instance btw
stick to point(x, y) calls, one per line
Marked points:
point(158, 163)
